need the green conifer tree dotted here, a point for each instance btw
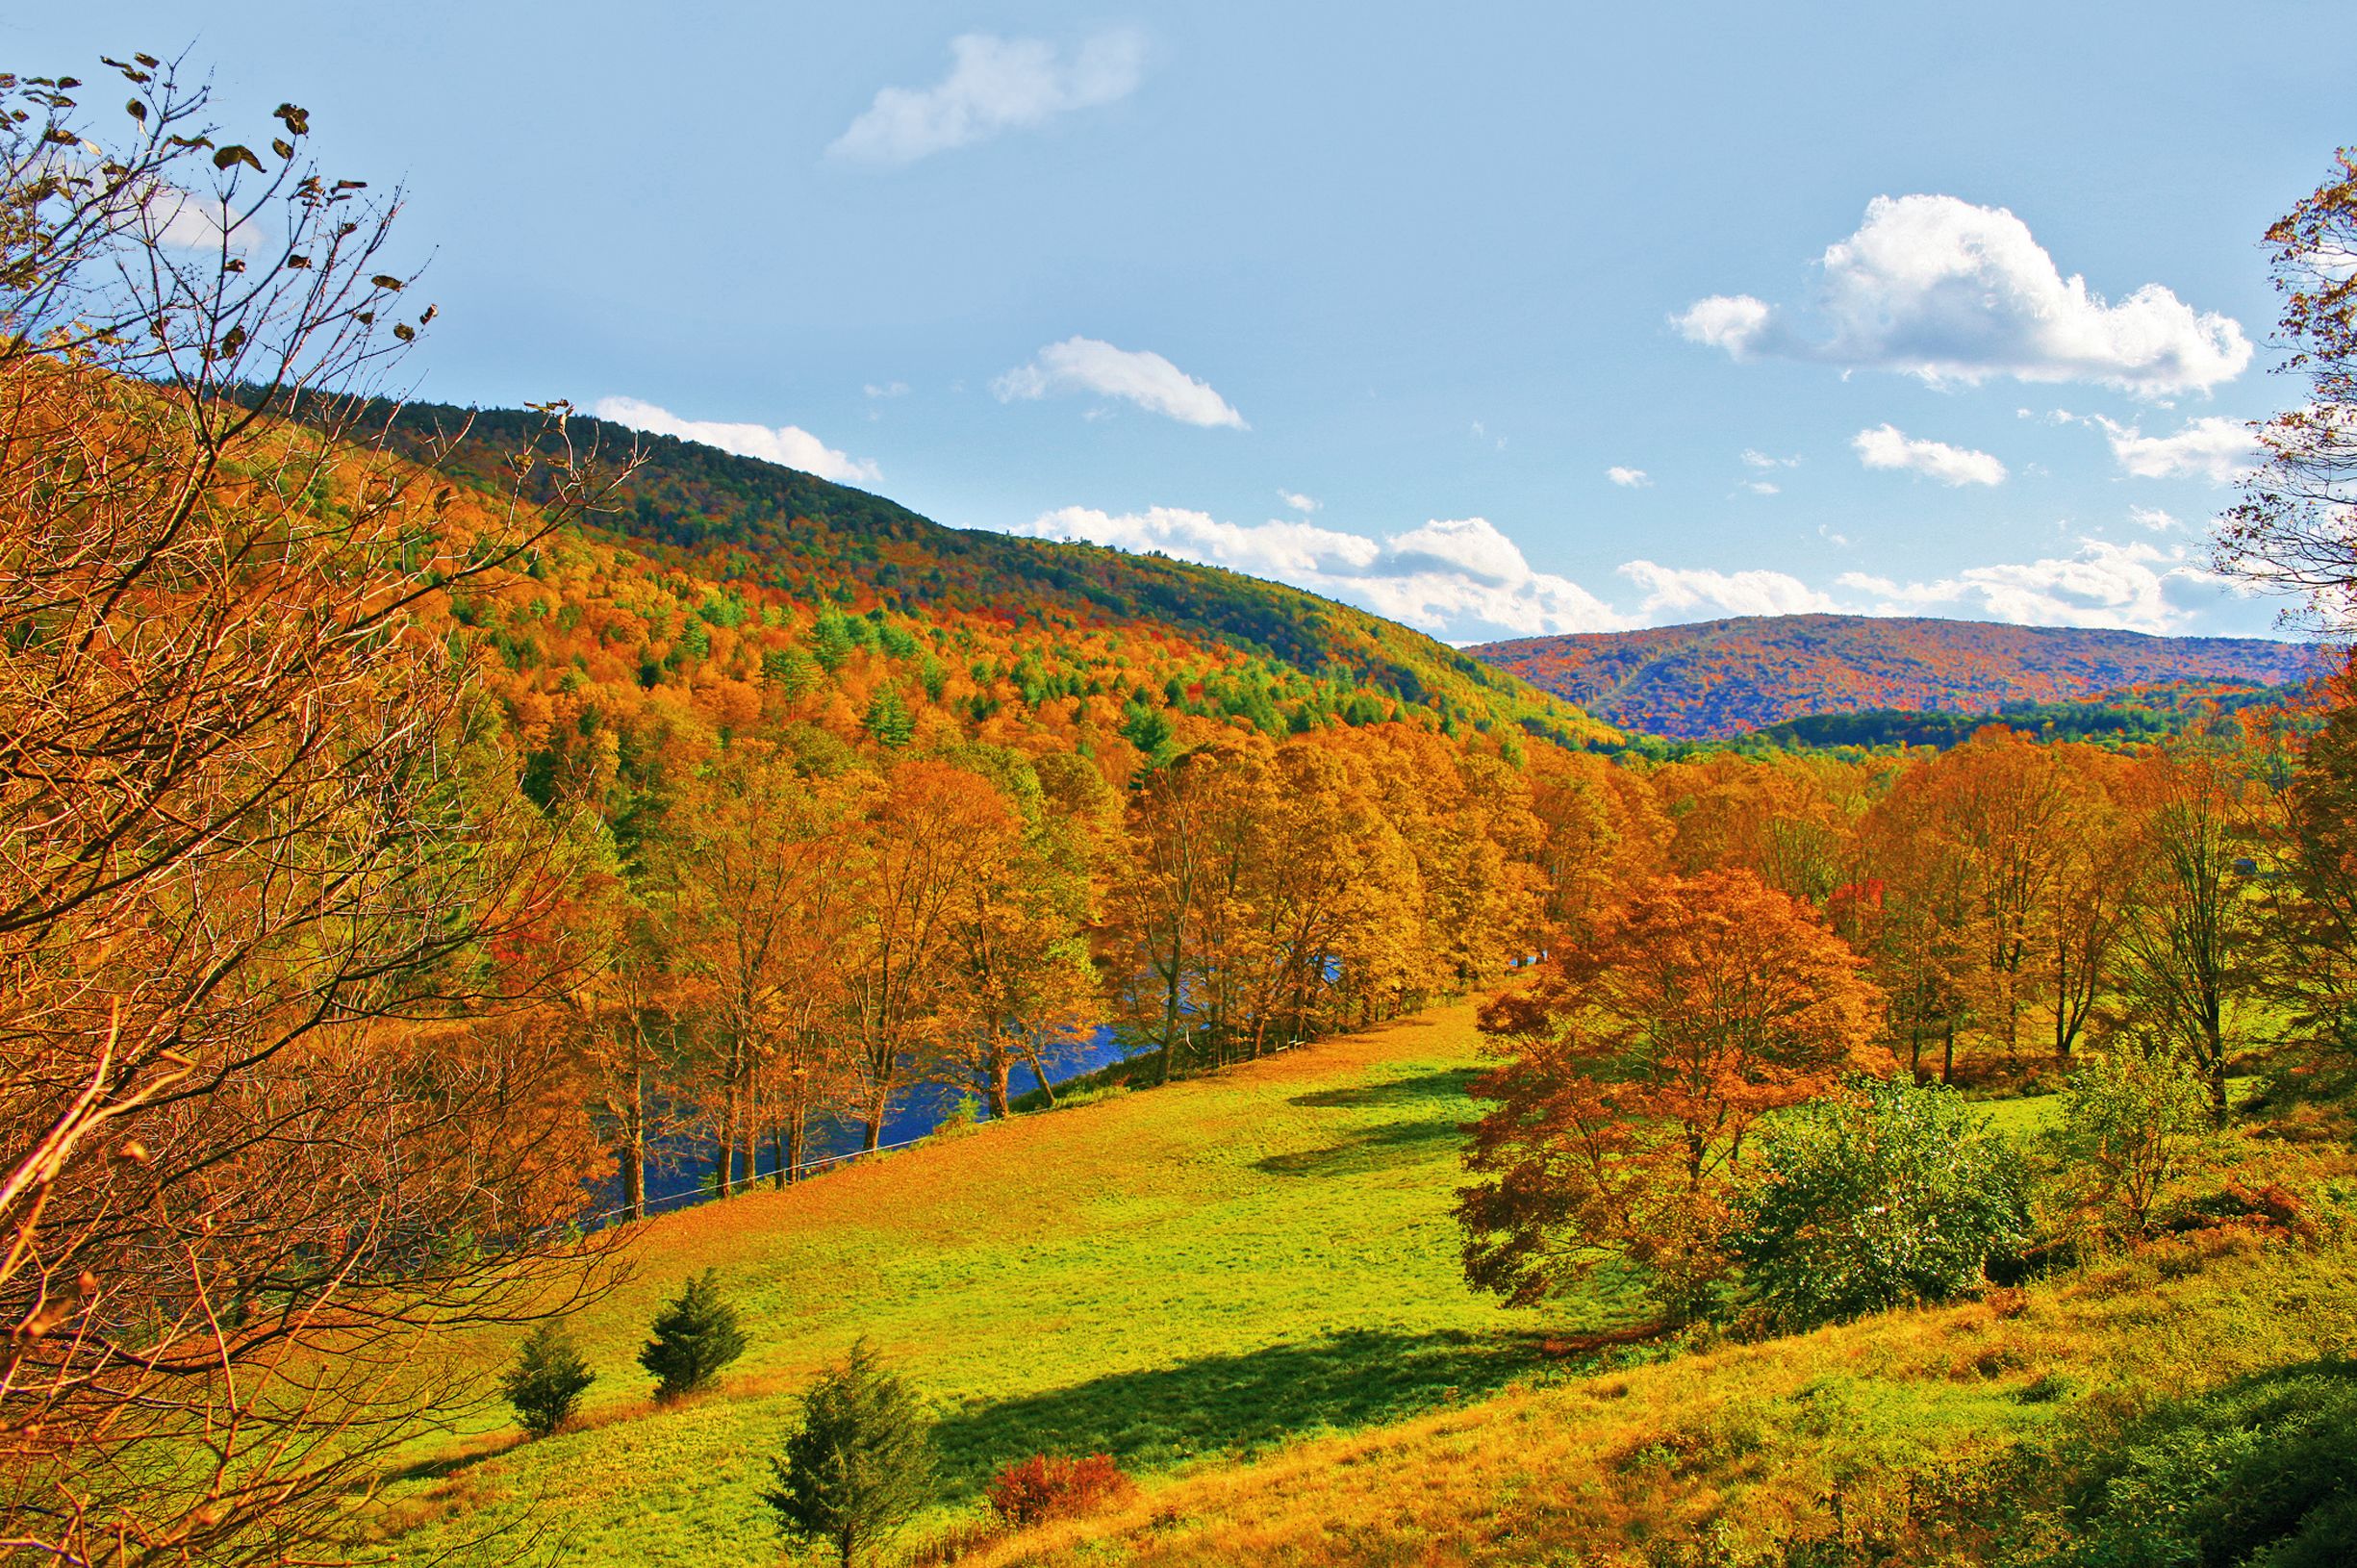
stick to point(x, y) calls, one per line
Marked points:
point(860, 1465)
point(549, 1376)
point(696, 1334)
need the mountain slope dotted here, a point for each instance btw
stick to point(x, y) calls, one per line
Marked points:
point(1724, 677)
point(819, 542)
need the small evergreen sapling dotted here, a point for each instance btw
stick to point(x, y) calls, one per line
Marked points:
point(861, 1463)
point(546, 1379)
point(696, 1334)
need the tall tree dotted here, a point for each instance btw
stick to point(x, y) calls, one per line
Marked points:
point(258, 828)
point(1634, 1070)
point(2291, 532)
point(2191, 943)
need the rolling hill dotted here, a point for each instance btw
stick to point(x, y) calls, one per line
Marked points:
point(720, 518)
point(1727, 678)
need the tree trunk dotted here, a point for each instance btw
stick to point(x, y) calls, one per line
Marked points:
point(996, 1087)
point(634, 1148)
point(1047, 1090)
point(1947, 1057)
point(795, 1126)
point(1915, 1052)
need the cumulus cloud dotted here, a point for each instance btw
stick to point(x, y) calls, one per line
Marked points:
point(1953, 294)
point(2153, 517)
point(2219, 450)
point(1089, 364)
point(789, 445)
point(1439, 577)
point(1300, 502)
point(1629, 479)
point(2103, 585)
point(1734, 322)
point(1887, 446)
point(1682, 591)
point(994, 85)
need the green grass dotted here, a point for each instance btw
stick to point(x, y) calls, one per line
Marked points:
point(1205, 1272)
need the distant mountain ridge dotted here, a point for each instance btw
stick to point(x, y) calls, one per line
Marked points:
point(1719, 678)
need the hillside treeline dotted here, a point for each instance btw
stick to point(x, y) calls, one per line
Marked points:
point(388, 856)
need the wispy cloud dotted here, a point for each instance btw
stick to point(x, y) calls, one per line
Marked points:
point(1629, 479)
point(1294, 498)
point(788, 446)
point(1447, 576)
point(2103, 584)
point(1887, 446)
point(1682, 591)
point(1953, 293)
point(1089, 364)
point(994, 85)
point(2219, 450)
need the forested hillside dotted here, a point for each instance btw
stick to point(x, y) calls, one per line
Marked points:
point(1724, 677)
point(415, 827)
point(1289, 659)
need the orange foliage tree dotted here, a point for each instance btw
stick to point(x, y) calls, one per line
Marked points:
point(1634, 1068)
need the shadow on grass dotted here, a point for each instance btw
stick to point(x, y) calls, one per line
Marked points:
point(444, 1466)
point(1234, 1405)
point(1423, 1090)
point(1378, 1149)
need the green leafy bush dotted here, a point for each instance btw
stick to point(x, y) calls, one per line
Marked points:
point(861, 1463)
point(696, 1334)
point(2131, 1118)
point(547, 1377)
point(1881, 1195)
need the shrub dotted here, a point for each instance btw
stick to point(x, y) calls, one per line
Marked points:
point(1879, 1195)
point(861, 1463)
point(696, 1334)
point(546, 1379)
point(2130, 1120)
point(1050, 1486)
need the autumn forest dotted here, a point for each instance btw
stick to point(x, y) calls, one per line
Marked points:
point(482, 889)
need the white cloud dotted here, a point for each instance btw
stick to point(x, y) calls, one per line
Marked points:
point(184, 220)
point(1754, 458)
point(1088, 364)
point(1300, 502)
point(888, 388)
point(2153, 517)
point(1887, 447)
point(2103, 585)
point(1682, 591)
point(1764, 487)
point(2219, 450)
point(790, 445)
point(1439, 577)
point(994, 85)
point(1629, 479)
point(1734, 322)
point(1940, 289)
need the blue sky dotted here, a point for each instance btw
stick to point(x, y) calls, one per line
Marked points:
point(1501, 319)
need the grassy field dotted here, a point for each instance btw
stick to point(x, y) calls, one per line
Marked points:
point(1246, 1288)
point(1196, 1274)
point(1876, 1441)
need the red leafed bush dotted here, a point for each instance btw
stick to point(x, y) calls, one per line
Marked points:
point(1050, 1486)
